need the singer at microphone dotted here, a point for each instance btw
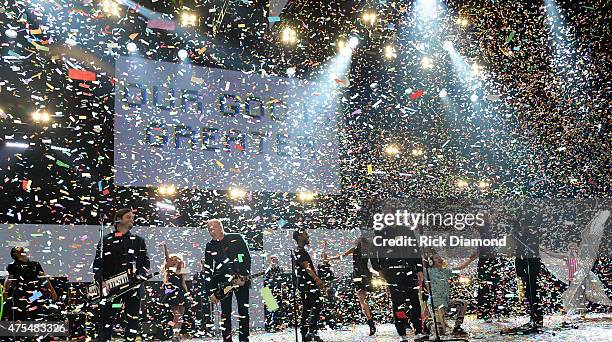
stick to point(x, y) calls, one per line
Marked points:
point(122, 252)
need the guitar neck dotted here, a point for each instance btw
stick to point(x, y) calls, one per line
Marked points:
point(253, 276)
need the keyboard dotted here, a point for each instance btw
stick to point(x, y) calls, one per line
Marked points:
point(116, 284)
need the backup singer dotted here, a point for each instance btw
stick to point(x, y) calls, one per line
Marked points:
point(309, 285)
point(176, 294)
point(227, 255)
point(362, 276)
point(123, 252)
point(24, 288)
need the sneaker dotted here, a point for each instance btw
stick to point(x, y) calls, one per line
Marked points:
point(525, 329)
point(420, 337)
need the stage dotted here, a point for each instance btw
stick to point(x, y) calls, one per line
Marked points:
point(594, 327)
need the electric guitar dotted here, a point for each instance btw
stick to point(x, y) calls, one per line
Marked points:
point(234, 282)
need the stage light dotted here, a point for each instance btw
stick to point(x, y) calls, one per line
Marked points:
point(462, 21)
point(483, 184)
point(189, 19)
point(288, 36)
point(39, 116)
point(167, 190)
point(447, 45)
point(417, 152)
point(110, 7)
point(343, 48)
point(476, 69)
point(237, 193)
point(131, 47)
point(392, 150)
point(182, 54)
point(369, 18)
point(461, 183)
point(306, 196)
point(11, 33)
point(390, 52)
point(353, 42)
point(17, 144)
point(474, 97)
point(426, 63)
point(443, 93)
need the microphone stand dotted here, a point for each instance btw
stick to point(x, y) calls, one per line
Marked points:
point(433, 309)
point(100, 306)
point(295, 291)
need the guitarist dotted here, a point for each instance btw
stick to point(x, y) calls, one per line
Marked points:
point(227, 258)
point(123, 251)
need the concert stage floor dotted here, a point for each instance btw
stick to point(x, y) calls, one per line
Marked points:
point(594, 327)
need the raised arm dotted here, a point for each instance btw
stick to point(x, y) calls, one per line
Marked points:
point(466, 263)
point(553, 254)
point(350, 251)
point(166, 253)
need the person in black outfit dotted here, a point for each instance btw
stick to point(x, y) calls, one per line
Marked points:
point(489, 276)
point(274, 281)
point(26, 288)
point(123, 252)
point(526, 232)
point(227, 255)
point(402, 268)
point(309, 285)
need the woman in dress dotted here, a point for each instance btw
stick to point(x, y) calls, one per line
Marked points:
point(362, 277)
point(176, 294)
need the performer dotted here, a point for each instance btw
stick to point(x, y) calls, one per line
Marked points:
point(227, 255)
point(26, 288)
point(362, 277)
point(176, 294)
point(403, 271)
point(274, 281)
point(309, 285)
point(526, 232)
point(489, 277)
point(439, 289)
point(123, 252)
